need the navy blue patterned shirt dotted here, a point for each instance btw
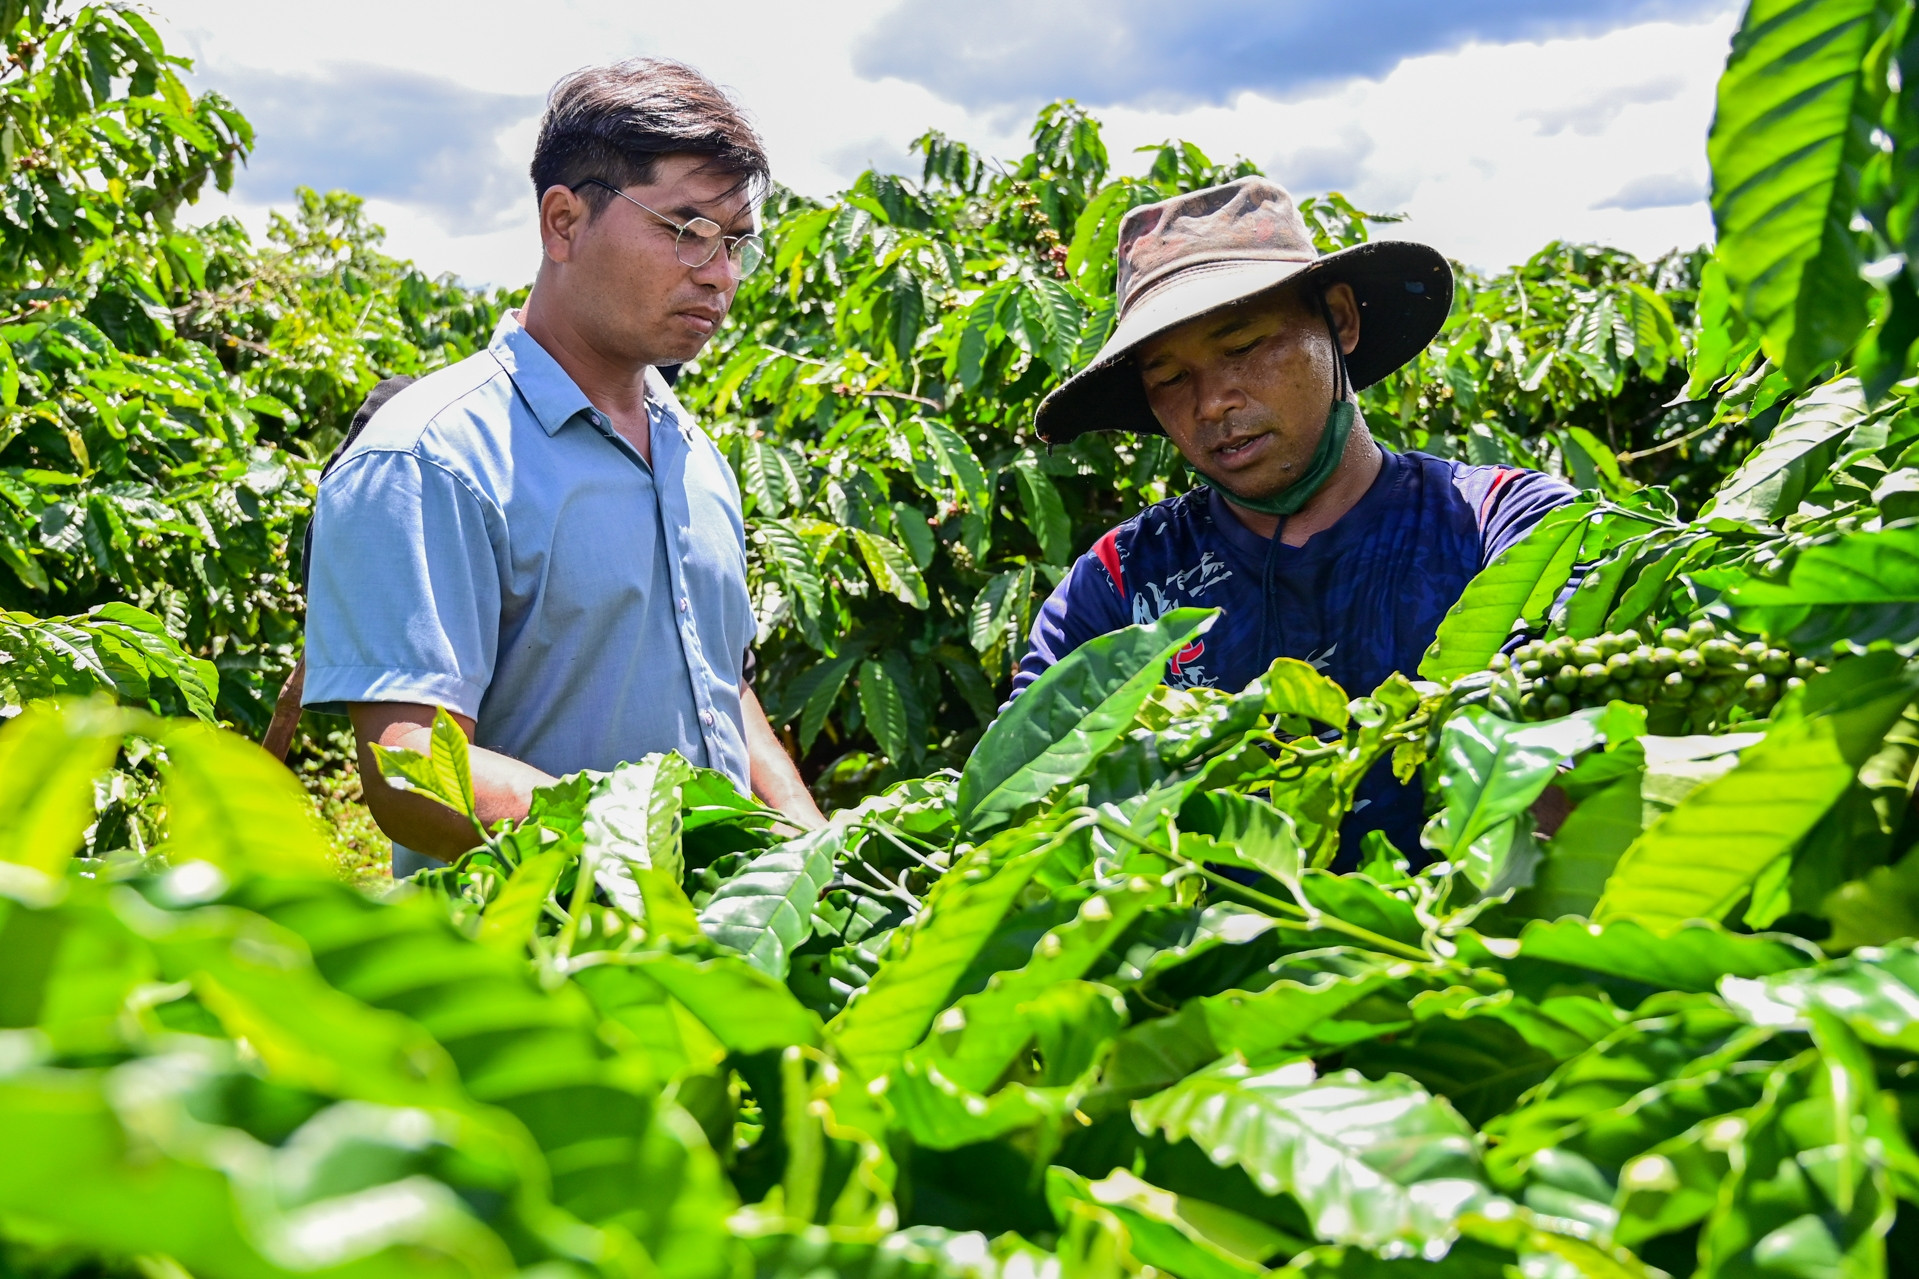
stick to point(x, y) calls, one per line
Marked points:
point(1359, 600)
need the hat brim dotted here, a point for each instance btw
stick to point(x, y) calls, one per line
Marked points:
point(1404, 291)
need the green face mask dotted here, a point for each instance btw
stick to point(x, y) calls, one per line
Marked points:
point(1331, 448)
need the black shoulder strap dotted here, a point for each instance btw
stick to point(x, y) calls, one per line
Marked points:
point(368, 407)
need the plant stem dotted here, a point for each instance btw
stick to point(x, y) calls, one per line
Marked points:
point(1316, 919)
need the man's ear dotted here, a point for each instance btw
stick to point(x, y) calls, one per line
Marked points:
point(563, 214)
point(1345, 309)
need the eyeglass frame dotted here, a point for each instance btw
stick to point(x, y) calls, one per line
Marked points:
point(722, 241)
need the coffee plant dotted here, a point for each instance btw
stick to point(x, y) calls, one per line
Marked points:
point(1091, 1000)
point(875, 388)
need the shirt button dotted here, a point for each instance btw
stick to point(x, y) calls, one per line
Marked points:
point(707, 716)
point(685, 604)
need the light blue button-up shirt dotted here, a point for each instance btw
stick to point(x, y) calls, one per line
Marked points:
point(492, 546)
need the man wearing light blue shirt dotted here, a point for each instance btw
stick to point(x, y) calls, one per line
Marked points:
point(539, 538)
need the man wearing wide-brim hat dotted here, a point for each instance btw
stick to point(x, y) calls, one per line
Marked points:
point(1246, 347)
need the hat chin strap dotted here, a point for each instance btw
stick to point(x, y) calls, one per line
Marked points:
point(1327, 454)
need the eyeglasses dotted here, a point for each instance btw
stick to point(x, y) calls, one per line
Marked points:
point(699, 239)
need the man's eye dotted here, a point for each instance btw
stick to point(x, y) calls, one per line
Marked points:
point(1243, 348)
point(1171, 380)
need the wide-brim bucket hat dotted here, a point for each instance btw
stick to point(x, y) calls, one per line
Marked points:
point(1206, 250)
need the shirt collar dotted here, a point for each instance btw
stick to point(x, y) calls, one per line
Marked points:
point(541, 382)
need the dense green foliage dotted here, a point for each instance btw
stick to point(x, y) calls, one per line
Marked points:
point(164, 391)
point(1092, 1004)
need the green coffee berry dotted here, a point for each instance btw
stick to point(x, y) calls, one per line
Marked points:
point(1718, 652)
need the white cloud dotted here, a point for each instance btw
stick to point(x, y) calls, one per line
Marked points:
point(1493, 149)
point(1455, 141)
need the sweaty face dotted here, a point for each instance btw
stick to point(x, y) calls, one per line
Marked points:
point(1244, 392)
point(640, 299)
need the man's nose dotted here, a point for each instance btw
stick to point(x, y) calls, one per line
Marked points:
point(716, 273)
point(1215, 397)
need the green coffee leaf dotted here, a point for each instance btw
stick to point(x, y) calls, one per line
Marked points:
point(49, 759)
point(1787, 145)
point(1480, 623)
point(1774, 1211)
point(512, 917)
point(747, 1009)
point(893, 569)
point(444, 774)
point(1491, 772)
point(1571, 877)
point(1045, 512)
point(1179, 1234)
point(632, 821)
point(884, 709)
point(232, 804)
point(1697, 860)
point(1769, 484)
point(1691, 958)
point(766, 911)
point(1875, 991)
point(1375, 1163)
point(1862, 587)
point(998, 607)
point(956, 459)
point(1236, 1023)
point(1068, 717)
point(975, 1040)
point(919, 971)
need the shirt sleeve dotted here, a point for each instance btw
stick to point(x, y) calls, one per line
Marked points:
point(1087, 604)
point(404, 600)
point(1513, 507)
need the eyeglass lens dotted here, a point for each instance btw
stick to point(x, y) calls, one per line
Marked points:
point(700, 239)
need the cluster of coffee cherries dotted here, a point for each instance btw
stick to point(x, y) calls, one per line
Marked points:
point(1691, 679)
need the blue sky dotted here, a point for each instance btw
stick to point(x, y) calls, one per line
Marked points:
point(1148, 53)
point(1495, 124)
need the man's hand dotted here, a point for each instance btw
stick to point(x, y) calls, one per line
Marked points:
point(502, 787)
point(775, 778)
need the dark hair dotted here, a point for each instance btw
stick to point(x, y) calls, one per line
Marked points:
point(614, 123)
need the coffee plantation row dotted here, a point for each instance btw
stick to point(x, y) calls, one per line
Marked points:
point(1069, 991)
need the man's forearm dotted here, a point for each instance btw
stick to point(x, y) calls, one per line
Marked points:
point(776, 780)
point(502, 787)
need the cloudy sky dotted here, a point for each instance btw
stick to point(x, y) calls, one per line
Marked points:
point(1495, 124)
